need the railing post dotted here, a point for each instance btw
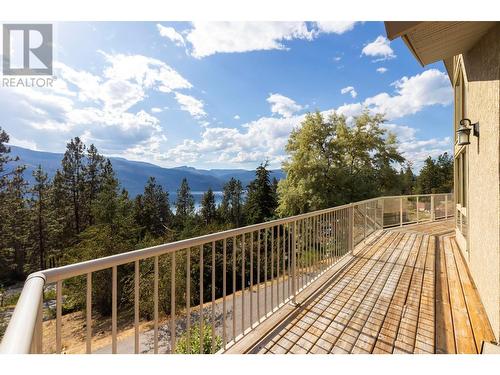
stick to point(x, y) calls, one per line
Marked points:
point(432, 208)
point(294, 262)
point(383, 212)
point(401, 211)
point(351, 228)
point(417, 210)
point(364, 228)
point(446, 206)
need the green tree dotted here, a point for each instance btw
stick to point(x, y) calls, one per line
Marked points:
point(408, 180)
point(152, 209)
point(436, 176)
point(261, 200)
point(93, 178)
point(184, 205)
point(40, 200)
point(332, 162)
point(208, 209)
point(73, 173)
point(231, 208)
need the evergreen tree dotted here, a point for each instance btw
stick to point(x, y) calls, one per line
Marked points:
point(93, 178)
point(231, 207)
point(208, 208)
point(152, 209)
point(261, 198)
point(73, 173)
point(184, 205)
point(436, 176)
point(407, 179)
point(40, 218)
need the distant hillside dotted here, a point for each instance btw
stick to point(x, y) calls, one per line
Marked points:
point(134, 174)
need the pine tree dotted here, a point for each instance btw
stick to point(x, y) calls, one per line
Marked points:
point(232, 201)
point(152, 209)
point(184, 205)
point(208, 208)
point(73, 173)
point(261, 199)
point(93, 178)
point(39, 213)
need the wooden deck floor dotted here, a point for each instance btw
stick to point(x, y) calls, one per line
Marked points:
point(406, 291)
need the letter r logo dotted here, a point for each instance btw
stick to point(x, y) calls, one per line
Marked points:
point(27, 49)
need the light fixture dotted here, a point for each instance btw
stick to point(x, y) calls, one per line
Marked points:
point(463, 131)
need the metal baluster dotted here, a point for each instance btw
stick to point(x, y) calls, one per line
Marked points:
point(213, 296)
point(265, 270)
point(243, 283)
point(188, 299)
point(258, 275)
point(201, 300)
point(58, 316)
point(114, 309)
point(224, 308)
point(136, 307)
point(88, 305)
point(289, 259)
point(283, 262)
point(233, 316)
point(272, 268)
point(251, 279)
point(155, 300)
point(172, 304)
point(278, 266)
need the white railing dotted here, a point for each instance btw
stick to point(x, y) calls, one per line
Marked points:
point(263, 266)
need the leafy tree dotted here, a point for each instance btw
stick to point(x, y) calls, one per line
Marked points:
point(231, 208)
point(184, 205)
point(208, 209)
point(261, 200)
point(332, 162)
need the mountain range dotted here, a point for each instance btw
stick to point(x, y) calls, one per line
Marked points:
point(134, 174)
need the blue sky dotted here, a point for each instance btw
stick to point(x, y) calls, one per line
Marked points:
point(224, 95)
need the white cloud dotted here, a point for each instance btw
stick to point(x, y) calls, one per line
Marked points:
point(336, 27)
point(337, 58)
point(208, 38)
point(97, 107)
point(170, 33)
point(190, 104)
point(236, 117)
point(380, 47)
point(283, 105)
point(381, 70)
point(349, 90)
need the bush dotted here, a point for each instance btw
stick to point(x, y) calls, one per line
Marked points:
point(192, 346)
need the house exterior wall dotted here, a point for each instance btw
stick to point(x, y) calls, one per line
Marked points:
point(481, 68)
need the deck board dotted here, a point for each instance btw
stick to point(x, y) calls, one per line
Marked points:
point(407, 291)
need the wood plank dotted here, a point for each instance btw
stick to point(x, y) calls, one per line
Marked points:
point(477, 315)
point(464, 339)
point(386, 337)
point(376, 309)
point(445, 336)
point(405, 339)
point(424, 342)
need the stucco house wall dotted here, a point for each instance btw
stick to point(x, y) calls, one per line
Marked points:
point(481, 65)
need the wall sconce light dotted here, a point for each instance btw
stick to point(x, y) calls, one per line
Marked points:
point(463, 131)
